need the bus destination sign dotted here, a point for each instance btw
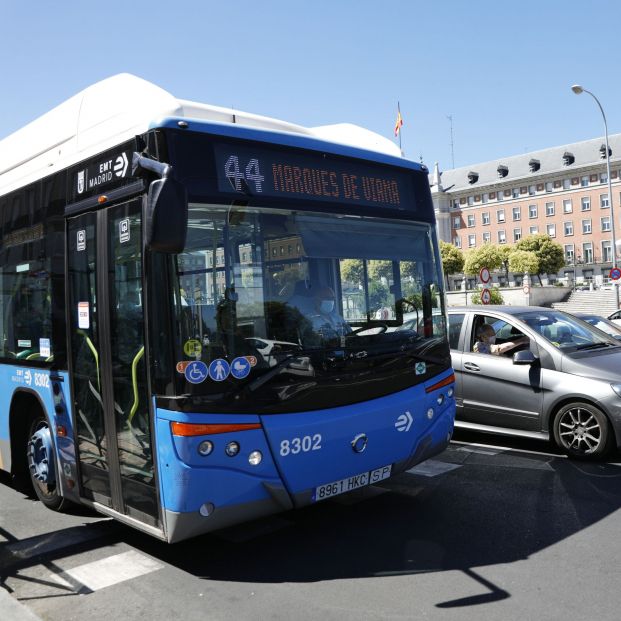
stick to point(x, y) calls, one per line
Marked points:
point(261, 172)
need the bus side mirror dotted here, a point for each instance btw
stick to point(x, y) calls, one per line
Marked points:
point(166, 222)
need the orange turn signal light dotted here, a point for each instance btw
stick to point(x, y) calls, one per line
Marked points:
point(197, 429)
point(445, 382)
point(102, 199)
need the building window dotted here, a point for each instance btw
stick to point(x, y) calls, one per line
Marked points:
point(604, 203)
point(568, 228)
point(566, 184)
point(551, 230)
point(470, 218)
point(567, 206)
point(569, 253)
point(605, 224)
point(457, 222)
point(485, 217)
point(532, 211)
point(457, 242)
point(517, 213)
point(500, 215)
point(585, 203)
point(584, 181)
point(586, 227)
point(549, 209)
point(485, 197)
point(606, 252)
point(549, 186)
point(603, 177)
point(487, 237)
point(471, 200)
point(517, 235)
point(531, 190)
point(516, 192)
point(533, 230)
point(587, 252)
point(456, 203)
point(472, 240)
point(502, 238)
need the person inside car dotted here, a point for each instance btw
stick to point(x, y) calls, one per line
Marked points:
point(486, 343)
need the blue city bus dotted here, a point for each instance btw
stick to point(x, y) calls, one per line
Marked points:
point(203, 311)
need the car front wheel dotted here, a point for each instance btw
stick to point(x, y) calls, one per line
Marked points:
point(582, 431)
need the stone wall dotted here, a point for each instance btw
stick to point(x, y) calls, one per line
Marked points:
point(515, 296)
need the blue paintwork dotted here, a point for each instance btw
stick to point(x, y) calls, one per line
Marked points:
point(187, 480)
point(38, 382)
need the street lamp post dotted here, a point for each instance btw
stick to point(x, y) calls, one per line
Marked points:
point(577, 89)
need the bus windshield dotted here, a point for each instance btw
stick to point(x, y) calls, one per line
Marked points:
point(282, 305)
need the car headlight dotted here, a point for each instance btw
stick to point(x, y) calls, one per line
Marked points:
point(616, 388)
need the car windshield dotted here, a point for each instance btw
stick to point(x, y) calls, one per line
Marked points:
point(603, 324)
point(564, 331)
point(276, 294)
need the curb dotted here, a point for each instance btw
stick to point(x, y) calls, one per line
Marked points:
point(12, 610)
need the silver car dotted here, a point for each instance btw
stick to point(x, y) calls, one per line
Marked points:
point(562, 382)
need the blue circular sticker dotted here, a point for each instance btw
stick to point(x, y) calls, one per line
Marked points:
point(219, 369)
point(240, 368)
point(196, 372)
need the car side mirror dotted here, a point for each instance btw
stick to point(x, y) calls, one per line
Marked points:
point(524, 357)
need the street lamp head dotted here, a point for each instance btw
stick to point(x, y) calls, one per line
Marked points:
point(576, 88)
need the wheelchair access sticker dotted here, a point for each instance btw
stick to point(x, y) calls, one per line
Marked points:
point(196, 372)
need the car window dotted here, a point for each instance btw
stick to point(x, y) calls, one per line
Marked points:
point(505, 333)
point(455, 322)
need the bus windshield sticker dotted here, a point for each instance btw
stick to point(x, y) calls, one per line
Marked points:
point(24, 267)
point(27, 343)
point(219, 370)
point(182, 365)
point(45, 348)
point(81, 245)
point(193, 348)
point(124, 230)
point(84, 321)
point(421, 368)
point(196, 372)
point(240, 368)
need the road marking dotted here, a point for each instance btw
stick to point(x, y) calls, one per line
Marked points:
point(108, 571)
point(433, 468)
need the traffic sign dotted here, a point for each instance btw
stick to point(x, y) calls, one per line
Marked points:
point(615, 273)
point(484, 275)
point(486, 296)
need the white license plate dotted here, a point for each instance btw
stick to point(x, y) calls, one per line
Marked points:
point(347, 485)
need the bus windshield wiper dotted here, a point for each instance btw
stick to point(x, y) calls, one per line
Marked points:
point(266, 377)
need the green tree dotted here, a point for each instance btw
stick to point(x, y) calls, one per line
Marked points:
point(549, 253)
point(488, 255)
point(378, 269)
point(524, 261)
point(352, 270)
point(452, 259)
point(505, 253)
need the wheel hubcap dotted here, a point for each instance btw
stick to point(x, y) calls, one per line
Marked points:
point(39, 458)
point(579, 431)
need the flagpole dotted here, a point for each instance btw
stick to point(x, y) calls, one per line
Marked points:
point(399, 110)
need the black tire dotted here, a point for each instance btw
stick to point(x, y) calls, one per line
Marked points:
point(582, 431)
point(41, 461)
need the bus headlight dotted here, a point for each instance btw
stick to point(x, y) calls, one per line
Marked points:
point(255, 458)
point(231, 449)
point(205, 448)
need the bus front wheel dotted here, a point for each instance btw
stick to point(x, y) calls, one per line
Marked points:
point(42, 464)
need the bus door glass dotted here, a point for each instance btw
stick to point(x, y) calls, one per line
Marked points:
point(108, 361)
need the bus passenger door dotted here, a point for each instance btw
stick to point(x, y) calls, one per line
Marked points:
point(108, 366)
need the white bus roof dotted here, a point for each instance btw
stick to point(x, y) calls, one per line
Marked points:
point(122, 106)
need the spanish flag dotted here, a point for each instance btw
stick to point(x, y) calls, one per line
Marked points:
point(399, 122)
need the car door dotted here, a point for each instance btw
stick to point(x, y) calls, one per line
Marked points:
point(494, 391)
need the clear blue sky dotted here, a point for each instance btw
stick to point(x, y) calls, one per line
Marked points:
point(503, 70)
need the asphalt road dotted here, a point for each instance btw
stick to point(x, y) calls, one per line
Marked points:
point(487, 530)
